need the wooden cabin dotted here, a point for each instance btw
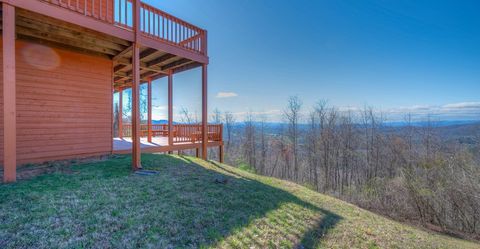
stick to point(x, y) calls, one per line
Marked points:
point(62, 62)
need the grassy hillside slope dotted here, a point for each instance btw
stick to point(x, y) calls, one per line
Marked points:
point(104, 205)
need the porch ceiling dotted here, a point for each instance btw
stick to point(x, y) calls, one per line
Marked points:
point(45, 30)
point(153, 64)
point(52, 32)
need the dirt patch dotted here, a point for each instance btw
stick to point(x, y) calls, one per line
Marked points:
point(28, 171)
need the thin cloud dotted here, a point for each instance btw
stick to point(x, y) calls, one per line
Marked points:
point(159, 107)
point(462, 110)
point(463, 105)
point(226, 94)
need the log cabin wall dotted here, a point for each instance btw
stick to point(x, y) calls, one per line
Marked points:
point(64, 104)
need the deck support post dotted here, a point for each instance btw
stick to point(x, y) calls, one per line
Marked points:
point(149, 121)
point(220, 153)
point(204, 113)
point(136, 150)
point(9, 97)
point(120, 113)
point(136, 109)
point(170, 110)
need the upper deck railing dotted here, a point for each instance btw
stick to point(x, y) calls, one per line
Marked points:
point(154, 23)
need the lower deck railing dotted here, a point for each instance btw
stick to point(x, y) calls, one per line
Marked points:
point(182, 133)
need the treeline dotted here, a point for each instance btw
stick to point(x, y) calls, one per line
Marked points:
point(409, 173)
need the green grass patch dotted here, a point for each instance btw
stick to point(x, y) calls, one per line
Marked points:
point(105, 205)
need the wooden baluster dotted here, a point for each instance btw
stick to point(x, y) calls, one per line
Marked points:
point(159, 27)
point(145, 20)
point(155, 29)
point(150, 23)
point(125, 8)
point(119, 11)
point(106, 14)
point(192, 33)
point(151, 18)
point(176, 32)
point(158, 24)
point(162, 32)
point(184, 32)
point(142, 21)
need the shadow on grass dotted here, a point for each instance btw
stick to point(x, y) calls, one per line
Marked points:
point(182, 206)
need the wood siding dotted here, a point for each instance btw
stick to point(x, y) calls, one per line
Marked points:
point(64, 104)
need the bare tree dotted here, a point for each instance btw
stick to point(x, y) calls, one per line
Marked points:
point(186, 116)
point(249, 145)
point(292, 115)
point(407, 172)
point(263, 144)
point(217, 116)
point(229, 122)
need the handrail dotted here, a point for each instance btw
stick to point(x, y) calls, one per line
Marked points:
point(163, 26)
point(181, 132)
point(154, 23)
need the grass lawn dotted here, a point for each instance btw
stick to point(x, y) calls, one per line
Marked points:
point(104, 205)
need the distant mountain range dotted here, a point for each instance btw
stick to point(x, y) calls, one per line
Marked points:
point(393, 124)
point(390, 124)
point(163, 121)
point(434, 123)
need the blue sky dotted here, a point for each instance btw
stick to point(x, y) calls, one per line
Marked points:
point(398, 56)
